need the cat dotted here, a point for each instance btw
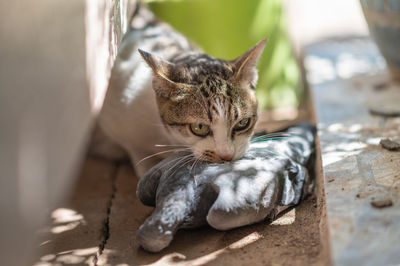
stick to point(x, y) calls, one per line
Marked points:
point(166, 95)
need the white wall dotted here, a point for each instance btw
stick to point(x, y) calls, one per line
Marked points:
point(45, 110)
point(312, 20)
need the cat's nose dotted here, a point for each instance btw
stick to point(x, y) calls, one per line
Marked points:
point(226, 157)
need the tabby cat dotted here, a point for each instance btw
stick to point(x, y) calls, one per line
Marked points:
point(166, 95)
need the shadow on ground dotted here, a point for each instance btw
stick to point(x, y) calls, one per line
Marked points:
point(104, 212)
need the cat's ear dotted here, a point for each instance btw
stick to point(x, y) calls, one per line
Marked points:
point(245, 65)
point(162, 68)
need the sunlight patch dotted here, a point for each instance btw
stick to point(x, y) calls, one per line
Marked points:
point(286, 219)
point(247, 240)
point(64, 215)
point(175, 258)
point(62, 228)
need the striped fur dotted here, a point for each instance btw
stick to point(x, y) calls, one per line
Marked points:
point(154, 96)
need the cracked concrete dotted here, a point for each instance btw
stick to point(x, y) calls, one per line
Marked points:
point(73, 236)
point(105, 229)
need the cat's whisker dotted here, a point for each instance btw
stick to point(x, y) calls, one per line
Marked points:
point(191, 168)
point(158, 153)
point(186, 159)
point(277, 154)
point(172, 161)
point(271, 136)
point(195, 162)
point(175, 160)
point(170, 145)
point(268, 138)
point(184, 162)
point(181, 159)
point(178, 160)
point(194, 167)
point(274, 134)
point(278, 132)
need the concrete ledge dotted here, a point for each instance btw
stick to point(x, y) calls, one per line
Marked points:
point(352, 95)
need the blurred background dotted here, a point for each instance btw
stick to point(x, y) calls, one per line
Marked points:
point(226, 29)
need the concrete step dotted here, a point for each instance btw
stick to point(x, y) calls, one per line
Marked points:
point(355, 106)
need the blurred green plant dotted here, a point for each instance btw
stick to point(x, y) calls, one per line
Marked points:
point(227, 28)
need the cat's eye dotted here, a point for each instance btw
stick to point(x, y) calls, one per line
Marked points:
point(199, 129)
point(242, 124)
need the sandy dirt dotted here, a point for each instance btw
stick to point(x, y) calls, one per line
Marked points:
point(293, 239)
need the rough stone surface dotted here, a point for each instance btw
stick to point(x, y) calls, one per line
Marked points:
point(362, 170)
point(390, 144)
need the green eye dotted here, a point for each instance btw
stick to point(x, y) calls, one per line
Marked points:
point(242, 124)
point(200, 129)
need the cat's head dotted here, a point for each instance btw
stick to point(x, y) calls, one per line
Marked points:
point(206, 103)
